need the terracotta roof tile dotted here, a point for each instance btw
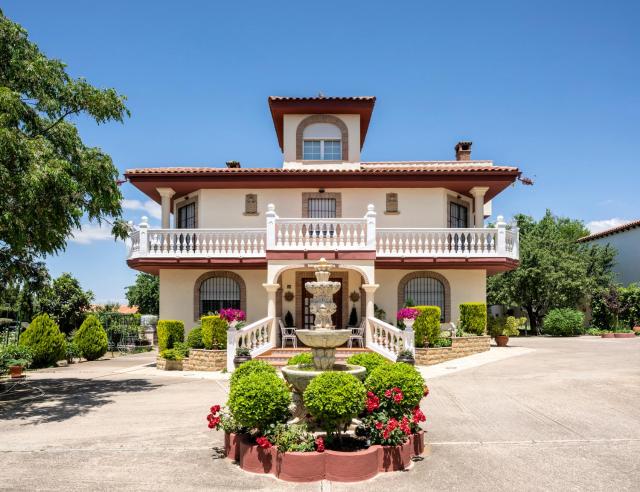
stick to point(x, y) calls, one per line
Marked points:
point(323, 98)
point(609, 232)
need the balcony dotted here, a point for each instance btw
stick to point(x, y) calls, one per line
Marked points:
point(325, 235)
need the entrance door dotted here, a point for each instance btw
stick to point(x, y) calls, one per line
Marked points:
point(307, 317)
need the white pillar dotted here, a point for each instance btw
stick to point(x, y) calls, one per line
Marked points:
point(166, 194)
point(370, 217)
point(369, 290)
point(272, 289)
point(478, 193)
point(143, 248)
point(501, 240)
point(271, 217)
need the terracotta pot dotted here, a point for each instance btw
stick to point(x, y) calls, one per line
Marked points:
point(417, 441)
point(607, 335)
point(240, 359)
point(636, 329)
point(15, 371)
point(351, 467)
point(502, 340)
point(624, 335)
point(232, 445)
point(255, 459)
point(300, 467)
point(395, 458)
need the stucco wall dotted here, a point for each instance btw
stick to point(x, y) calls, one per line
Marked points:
point(466, 286)
point(627, 243)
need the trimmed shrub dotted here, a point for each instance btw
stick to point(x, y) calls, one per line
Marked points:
point(169, 332)
point(251, 367)
point(45, 340)
point(397, 375)
point(473, 317)
point(564, 322)
point(333, 399)
point(214, 332)
point(91, 339)
point(258, 400)
point(171, 354)
point(305, 359)
point(369, 360)
point(194, 339)
point(13, 354)
point(427, 325)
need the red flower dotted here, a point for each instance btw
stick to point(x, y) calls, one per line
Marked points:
point(373, 402)
point(386, 433)
point(392, 424)
point(215, 409)
point(397, 397)
point(263, 442)
point(379, 425)
point(404, 425)
point(320, 445)
point(211, 425)
point(418, 416)
point(387, 394)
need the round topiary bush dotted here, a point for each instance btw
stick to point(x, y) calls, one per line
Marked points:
point(251, 367)
point(397, 375)
point(334, 398)
point(91, 339)
point(258, 400)
point(45, 340)
point(369, 360)
point(304, 359)
point(194, 339)
point(563, 323)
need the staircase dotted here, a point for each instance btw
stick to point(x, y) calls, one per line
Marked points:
point(278, 357)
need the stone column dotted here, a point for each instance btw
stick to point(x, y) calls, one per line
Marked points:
point(478, 193)
point(272, 289)
point(369, 290)
point(166, 194)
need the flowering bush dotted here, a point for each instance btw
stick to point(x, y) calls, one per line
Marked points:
point(399, 388)
point(388, 423)
point(320, 444)
point(231, 314)
point(263, 442)
point(290, 437)
point(407, 313)
point(221, 418)
point(388, 431)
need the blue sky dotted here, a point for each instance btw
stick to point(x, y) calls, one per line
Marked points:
point(549, 86)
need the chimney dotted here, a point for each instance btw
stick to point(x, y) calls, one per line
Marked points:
point(463, 151)
point(233, 164)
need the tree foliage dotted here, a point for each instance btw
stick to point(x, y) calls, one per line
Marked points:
point(50, 178)
point(66, 302)
point(145, 294)
point(555, 270)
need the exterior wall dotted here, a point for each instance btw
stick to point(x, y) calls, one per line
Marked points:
point(418, 207)
point(466, 286)
point(290, 125)
point(627, 243)
point(177, 300)
point(460, 347)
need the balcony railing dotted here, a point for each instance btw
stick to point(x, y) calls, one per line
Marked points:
point(338, 234)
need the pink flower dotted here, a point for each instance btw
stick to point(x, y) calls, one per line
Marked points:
point(320, 445)
point(387, 394)
point(407, 313)
point(397, 397)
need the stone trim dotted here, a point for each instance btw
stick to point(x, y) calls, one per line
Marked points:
point(307, 195)
point(299, 292)
point(391, 204)
point(205, 360)
point(422, 274)
point(212, 274)
point(249, 207)
point(460, 347)
point(322, 118)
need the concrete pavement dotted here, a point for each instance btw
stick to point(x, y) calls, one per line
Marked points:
point(561, 415)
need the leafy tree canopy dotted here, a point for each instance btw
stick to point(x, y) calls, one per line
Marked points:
point(66, 302)
point(145, 294)
point(555, 270)
point(50, 178)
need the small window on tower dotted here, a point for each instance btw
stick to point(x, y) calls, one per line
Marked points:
point(392, 204)
point(251, 204)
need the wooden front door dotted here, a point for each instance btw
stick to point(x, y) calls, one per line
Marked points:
point(307, 317)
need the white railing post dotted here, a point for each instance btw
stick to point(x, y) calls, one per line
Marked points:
point(144, 231)
point(409, 340)
point(370, 217)
point(515, 254)
point(231, 348)
point(501, 246)
point(271, 226)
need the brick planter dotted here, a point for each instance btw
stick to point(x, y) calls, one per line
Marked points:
point(205, 360)
point(460, 347)
point(168, 365)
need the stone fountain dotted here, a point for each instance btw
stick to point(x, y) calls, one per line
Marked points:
point(323, 338)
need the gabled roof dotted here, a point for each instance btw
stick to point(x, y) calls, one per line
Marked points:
point(281, 105)
point(610, 232)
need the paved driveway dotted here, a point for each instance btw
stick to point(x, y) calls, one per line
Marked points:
point(563, 416)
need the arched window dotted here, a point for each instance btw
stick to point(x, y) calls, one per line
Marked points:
point(426, 289)
point(218, 290)
point(322, 142)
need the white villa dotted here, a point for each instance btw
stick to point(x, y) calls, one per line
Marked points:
point(243, 237)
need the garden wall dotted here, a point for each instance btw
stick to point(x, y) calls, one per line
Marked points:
point(460, 347)
point(205, 360)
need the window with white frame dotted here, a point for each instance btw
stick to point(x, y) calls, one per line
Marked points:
point(322, 142)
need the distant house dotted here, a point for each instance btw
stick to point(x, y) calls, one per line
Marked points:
point(127, 309)
point(626, 240)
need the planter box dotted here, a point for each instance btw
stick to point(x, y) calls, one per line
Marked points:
point(624, 335)
point(395, 458)
point(232, 445)
point(352, 467)
point(301, 467)
point(255, 459)
point(608, 335)
point(460, 347)
point(206, 360)
point(168, 365)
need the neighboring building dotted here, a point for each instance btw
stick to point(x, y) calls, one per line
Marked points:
point(243, 237)
point(626, 240)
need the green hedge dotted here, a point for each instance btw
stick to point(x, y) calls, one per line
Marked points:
point(397, 375)
point(563, 322)
point(304, 359)
point(194, 339)
point(473, 317)
point(45, 340)
point(214, 332)
point(258, 400)
point(169, 332)
point(427, 325)
point(91, 339)
point(251, 367)
point(369, 360)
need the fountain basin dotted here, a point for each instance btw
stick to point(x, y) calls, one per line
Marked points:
point(300, 377)
point(323, 338)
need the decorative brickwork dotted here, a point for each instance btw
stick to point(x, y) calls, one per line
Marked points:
point(169, 365)
point(391, 204)
point(460, 347)
point(447, 290)
point(205, 360)
point(218, 273)
point(305, 202)
point(322, 118)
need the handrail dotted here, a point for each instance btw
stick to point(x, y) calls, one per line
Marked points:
point(388, 340)
point(258, 337)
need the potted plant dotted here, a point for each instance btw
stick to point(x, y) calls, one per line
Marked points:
point(15, 358)
point(406, 356)
point(233, 316)
point(242, 355)
point(503, 328)
point(408, 316)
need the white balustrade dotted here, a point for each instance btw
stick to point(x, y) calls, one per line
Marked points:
point(258, 337)
point(134, 245)
point(387, 340)
point(320, 234)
